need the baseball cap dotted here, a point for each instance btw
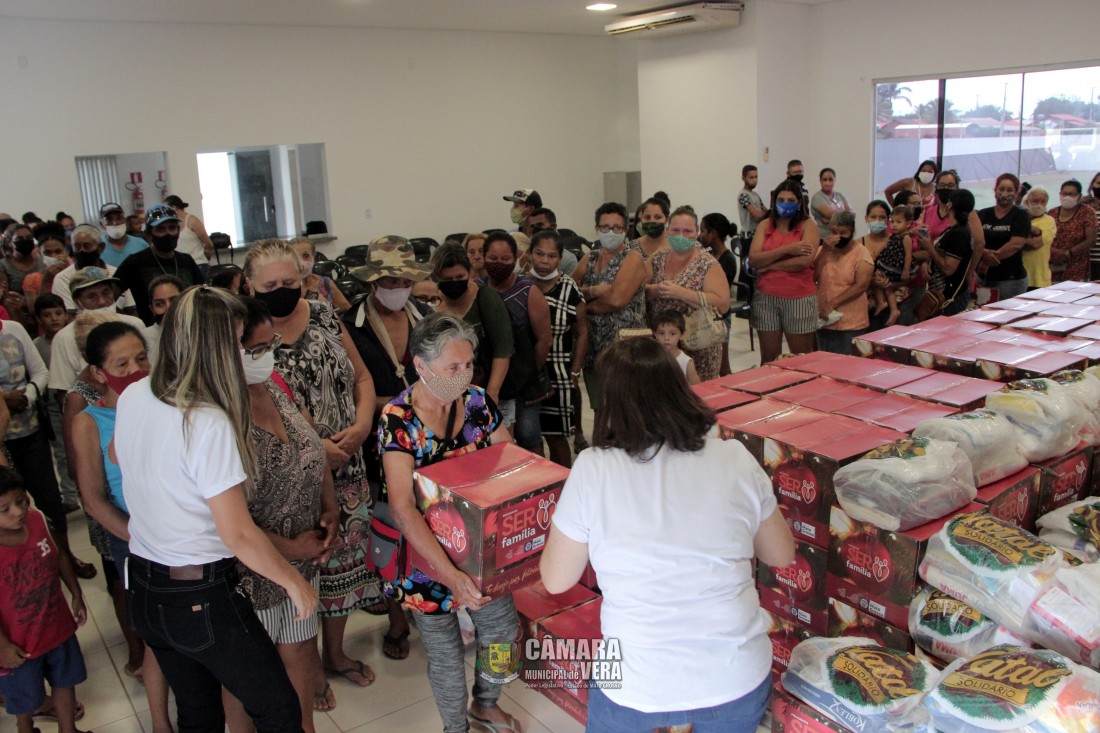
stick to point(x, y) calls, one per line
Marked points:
point(176, 202)
point(110, 208)
point(88, 277)
point(527, 197)
point(158, 214)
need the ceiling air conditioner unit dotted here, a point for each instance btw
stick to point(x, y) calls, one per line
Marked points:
point(674, 21)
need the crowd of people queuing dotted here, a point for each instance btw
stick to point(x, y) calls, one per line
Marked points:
point(241, 428)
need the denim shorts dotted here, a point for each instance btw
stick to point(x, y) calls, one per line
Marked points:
point(742, 715)
point(24, 687)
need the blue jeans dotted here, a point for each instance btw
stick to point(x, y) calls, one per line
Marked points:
point(205, 635)
point(742, 715)
point(1007, 288)
point(528, 426)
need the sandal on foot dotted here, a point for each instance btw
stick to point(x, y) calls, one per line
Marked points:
point(324, 701)
point(512, 726)
point(84, 570)
point(358, 668)
point(50, 714)
point(135, 673)
point(396, 647)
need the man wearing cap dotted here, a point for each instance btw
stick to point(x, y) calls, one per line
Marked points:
point(119, 244)
point(92, 289)
point(194, 240)
point(88, 246)
point(139, 270)
point(524, 201)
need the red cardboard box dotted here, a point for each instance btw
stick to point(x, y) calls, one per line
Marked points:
point(1044, 341)
point(1089, 332)
point(491, 509)
point(877, 374)
point(785, 636)
point(1024, 305)
point(1006, 366)
point(896, 614)
point(846, 620)
point(1075, 310)
point(993, 316)
point(954, 325)
point(884, 563)
point(535, 604)
point(1064, 479)
point(588, 578)
point(751, 423)
point(565, 681)
point(1014, 498)
point(762, 380)
point(1091, 352)
point(796, 592)
point(896, 412)
point(1051, 324)
point(812, 363)
point(942, 355)
point(1056, 295)
point(719, 398)
point(961, 393)
point(828, 397)
point(801, 463)
point(893, 346)
point(791, 715)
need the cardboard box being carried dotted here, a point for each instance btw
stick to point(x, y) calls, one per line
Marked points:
point(490, 510)
point(567, 656)
point(535, 604)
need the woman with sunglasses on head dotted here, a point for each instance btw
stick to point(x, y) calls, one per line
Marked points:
point(184, 445)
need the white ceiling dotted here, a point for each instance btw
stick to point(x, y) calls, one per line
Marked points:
point(512, 16)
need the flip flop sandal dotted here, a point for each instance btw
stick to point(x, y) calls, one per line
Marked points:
point(512, 726)
point(45, 715)
point(135, 673)
point(322, 699)
point(400, 642)
point(358, 668)
point(84, 570)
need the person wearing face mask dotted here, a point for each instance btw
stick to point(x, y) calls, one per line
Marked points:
point(117, 358)
point(21, 257)
point(1092, 200)
point(319, 362)
point(194, 240)
point(1037, 247)
point(88, 248)
point(162, 291)
point(569, 331)
point(796, 172)
point(843, 270)
point(922, 183)
point(55, 256)
point(442, 415)
point(681, 274)
point(651, 226)
point(951, 254)
point(1076, 234)
point(1006, 227)
point(524, 201)
point(612, 279)
point(318, 287)
point(160, 258)
point(782, 253)
point(118, 243)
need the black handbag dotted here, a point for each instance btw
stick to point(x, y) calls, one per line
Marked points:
point(43, 412)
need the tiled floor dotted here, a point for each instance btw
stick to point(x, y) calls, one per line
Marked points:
point(399, 700)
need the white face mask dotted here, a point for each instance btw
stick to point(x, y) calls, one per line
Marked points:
point(1069, 202)
point(610, 241)
point(116, 231)
point(258, 371)
point(393, 299)
point(925, 177)
point(112, 308)
point(1036, 209)
point(550, 276)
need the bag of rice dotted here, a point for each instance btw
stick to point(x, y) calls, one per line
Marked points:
point(948, 628)
point(863, 686)
point(1084, 388)
point(1074, 528)
point(1046, 417)
point(988, 439)
point(906, 483)
point(1008, 688)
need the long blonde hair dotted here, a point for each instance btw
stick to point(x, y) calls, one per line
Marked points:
point(271, 250)
point(198, 364)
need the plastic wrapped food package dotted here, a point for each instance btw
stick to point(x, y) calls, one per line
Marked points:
point(1066, 615)
point(1074, 528)
point(861, 685)
point(950, 629)
point(1008, 688)
point(1084, 387)
point(906, 484)
point(1046, 416)
point(987, 438)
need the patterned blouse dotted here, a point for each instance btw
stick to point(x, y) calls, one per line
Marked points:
point(603, 328)
point(1068, 235)
point(287, 497)
point(400, 429)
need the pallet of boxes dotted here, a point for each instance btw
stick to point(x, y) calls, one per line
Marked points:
point(933, 604)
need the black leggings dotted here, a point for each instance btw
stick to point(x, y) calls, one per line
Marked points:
point(32, 458)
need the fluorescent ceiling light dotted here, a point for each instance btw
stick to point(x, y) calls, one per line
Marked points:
point(602, 6)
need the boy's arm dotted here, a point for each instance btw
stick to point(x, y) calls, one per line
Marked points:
point(68, 577)
point(11, 656)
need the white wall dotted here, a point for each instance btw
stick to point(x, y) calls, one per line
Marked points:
point(427, 129)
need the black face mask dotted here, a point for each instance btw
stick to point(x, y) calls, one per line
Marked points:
point(85, 259)
point(166, 243)
point(1096, 192)
point(843, 242)
point(943, 195)
point(280, 301)
point(24, 246)
point(454, 289)
point(917, 209)
point(158, 318)
point(797, 177)
point(653, 229)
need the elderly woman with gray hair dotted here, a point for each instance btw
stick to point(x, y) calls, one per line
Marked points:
point(843, 270)
point(440, 416)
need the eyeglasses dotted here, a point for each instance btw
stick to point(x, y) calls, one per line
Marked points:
point(605, 228)
point(258, 351)
point(429, 299)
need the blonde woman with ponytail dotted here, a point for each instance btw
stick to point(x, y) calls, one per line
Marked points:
point(183, 443)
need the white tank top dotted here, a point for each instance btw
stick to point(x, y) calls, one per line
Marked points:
point(189, 243)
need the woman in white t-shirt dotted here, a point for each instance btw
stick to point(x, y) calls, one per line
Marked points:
point(184, 445)
point(670, 520)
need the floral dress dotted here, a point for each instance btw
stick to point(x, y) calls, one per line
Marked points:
point(399, 429)
point(707, 361)
point(287, 497)
point(556, 412)
point(320, 374)
point(1068, 235)
point(603, 328)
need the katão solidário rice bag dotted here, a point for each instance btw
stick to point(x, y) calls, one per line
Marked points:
point(987, 438)
point(863, 686)
point(948, 628)
point(906, 483)
point(1009, 688)
point(1074, 528)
